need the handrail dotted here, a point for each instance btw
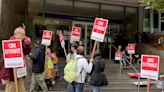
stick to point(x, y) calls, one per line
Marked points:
point(130, 66)
point(127, 61)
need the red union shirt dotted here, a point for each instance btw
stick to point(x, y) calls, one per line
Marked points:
point(150, 63)
point(12, 49)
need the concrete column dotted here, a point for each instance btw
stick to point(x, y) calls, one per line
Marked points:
point(0, 12)
point(85, 45)
point(141, 19)
point(98, 47)
point(151, 21)
point(159, 21)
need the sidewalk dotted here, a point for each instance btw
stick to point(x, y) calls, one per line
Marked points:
point(117, 82)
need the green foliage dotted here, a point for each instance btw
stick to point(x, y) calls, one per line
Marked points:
point(153, 4)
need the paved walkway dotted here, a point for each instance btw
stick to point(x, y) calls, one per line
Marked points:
point(118, 82)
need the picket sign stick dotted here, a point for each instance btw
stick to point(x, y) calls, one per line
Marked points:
point(94, 48)
point(45, 57)
point(148, 85)
point(46, 51)
point(15, 80)
point(65, 52)
point(131, 59)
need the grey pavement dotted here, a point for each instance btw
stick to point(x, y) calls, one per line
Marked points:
point(118, 82)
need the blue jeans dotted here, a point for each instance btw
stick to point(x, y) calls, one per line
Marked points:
point(96, 89)
point(57, 69)
point(75, 87)
point(123, 62)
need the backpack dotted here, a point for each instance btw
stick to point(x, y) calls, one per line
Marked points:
point(70, 70)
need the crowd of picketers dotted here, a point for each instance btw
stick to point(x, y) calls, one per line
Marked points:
point(44, 65)
point(127, 58)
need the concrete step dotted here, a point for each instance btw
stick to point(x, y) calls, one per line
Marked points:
point(115, 89)
point(117, 82)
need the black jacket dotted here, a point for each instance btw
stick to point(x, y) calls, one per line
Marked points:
point(38, 57)
point(97, 70)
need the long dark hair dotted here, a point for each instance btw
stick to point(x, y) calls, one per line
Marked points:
point(97, 54)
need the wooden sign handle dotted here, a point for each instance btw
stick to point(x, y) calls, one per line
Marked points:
point(148, 85)
point(65, 52)
point(94, 49)
point(15, 79)
point(46, 48)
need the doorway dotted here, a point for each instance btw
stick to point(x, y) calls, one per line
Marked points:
point(86, 30)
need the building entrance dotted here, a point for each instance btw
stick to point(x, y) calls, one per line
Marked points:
point(86, 29)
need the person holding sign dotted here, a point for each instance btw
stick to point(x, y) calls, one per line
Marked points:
point(38, 58)
point(98, 79)
point(122, 62)
point(127, 56)
point(19, 33)
point(81, 43)
point(83, 67)
point(72, 53)
point(49, 67)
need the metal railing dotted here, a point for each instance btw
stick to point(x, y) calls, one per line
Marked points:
point(123, 56)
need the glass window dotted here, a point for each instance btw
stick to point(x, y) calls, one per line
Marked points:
point(35, 7)
point(59, 6)
point(155, 19)
point(131, 21)
point(147, 21)
point(86, 9)
point(162, 22)
point(112, 12)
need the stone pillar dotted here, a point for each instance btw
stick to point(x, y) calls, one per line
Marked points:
point(0, 14)
point(159, 21)
point(141, 19)
point(12, 15)
point(151, 21)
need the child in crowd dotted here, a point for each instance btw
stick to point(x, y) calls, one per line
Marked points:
point(50, 73)
point(122, 61)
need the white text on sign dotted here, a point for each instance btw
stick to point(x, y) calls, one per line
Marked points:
point(12, 49)
point(150, 63)
point(100, 23)
point(100, 27)
point(150, 60)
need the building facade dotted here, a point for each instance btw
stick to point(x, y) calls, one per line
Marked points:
point(125, 17)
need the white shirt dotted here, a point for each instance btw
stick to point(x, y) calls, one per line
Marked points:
point(69, 56)
point(83, 66)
